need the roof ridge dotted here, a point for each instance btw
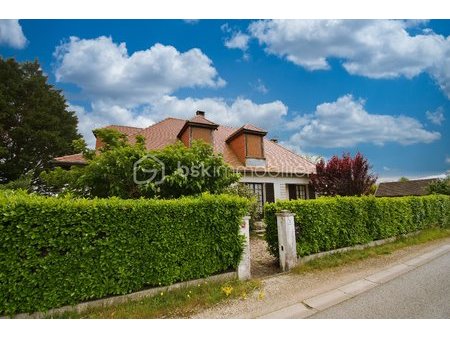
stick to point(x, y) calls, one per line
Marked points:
point(165, 119)
point(121, 125)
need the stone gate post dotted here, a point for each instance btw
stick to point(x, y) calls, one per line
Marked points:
point(286, 239)
point(244, 265)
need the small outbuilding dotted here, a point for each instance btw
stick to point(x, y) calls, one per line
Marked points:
point(404, 188)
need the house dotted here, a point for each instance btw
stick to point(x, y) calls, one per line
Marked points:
point(269, 169)
point(404, 188)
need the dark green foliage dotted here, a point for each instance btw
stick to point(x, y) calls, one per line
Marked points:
point(240, 189)
point(35, 124)
point(181, 170)
point(335, 222)
point(58, 251)
point(441, 186)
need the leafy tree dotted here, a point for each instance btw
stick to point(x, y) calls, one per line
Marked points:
point(344, 176)
point(240, 189)
point(130, 171)
point(403, 179)
point(441, 186)
point(35, 125)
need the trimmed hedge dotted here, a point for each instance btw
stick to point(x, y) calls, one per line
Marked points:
point(329, 223)
point(59, 251)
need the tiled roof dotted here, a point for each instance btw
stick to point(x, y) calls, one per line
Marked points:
point(129, 131)
point(251, 127)
point(406, 188)
point(278, 158)
point(70, 159)
point(202, 120)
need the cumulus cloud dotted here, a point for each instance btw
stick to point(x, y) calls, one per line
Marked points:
point(346, 123)
point(11, 34)
point(372, 48)
point(436, 117)
point(237, 40)
point(104, 70)
point(102, 114)
point(137, 89)
point(234, 113)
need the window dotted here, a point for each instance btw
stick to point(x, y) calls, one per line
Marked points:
point(258, 190)
point(297, 191)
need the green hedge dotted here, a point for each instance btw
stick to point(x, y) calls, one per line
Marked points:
point(58, 251)
point(325, 224)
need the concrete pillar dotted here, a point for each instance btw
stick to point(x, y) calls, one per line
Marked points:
point(244, 265)
point(287, 245)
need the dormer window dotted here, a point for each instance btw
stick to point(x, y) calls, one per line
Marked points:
point(197, 128)
point(248, 144)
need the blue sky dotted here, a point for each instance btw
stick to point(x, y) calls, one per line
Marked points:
point(321, 87)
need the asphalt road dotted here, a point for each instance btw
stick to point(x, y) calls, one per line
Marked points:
point(421, 293)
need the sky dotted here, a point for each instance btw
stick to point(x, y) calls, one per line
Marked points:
point(322, 88)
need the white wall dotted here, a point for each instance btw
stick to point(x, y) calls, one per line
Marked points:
point(279, 183)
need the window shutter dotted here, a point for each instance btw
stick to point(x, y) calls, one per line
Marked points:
point(292, 192)
point(270, 193)
point(311, 191)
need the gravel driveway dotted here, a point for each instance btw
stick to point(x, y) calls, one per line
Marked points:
point(262, 262)
point(282, 290)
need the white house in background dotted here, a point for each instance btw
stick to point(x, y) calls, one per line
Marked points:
point(269, 169)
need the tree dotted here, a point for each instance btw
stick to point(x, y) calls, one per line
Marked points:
point(126, 170)
point(441, 186)
point(344, 176)
point(403, 179)
point(35, 124)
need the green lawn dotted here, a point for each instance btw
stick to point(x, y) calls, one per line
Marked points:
point(339, 259)
point(180, 303)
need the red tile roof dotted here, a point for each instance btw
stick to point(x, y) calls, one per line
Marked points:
point(70, 159)
point(278, 158)
point(202, 120)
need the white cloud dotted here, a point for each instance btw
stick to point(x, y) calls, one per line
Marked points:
point(386, 168)
point(101, 115)
point(436, 117)
point(105, 71)
point(11, 34)
point(192, 21)
point(235, 113)
point(238, 40)
point(447, 159)
point(260, 87)
point(345, 123)
point(372, 48)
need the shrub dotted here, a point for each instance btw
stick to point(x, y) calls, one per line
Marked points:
point(58, 251)
point(335, 222)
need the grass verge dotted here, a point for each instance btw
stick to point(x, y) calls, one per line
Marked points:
point(339, 259)
point(180, 303)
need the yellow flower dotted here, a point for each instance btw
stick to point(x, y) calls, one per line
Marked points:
point(227, 290)
point(261, 295)
point(162, 293)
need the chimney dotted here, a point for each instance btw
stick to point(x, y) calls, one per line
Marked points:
point(200, 113)
point(274, 140)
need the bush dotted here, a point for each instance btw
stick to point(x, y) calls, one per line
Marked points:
point(335, 222)
point(58, 251)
